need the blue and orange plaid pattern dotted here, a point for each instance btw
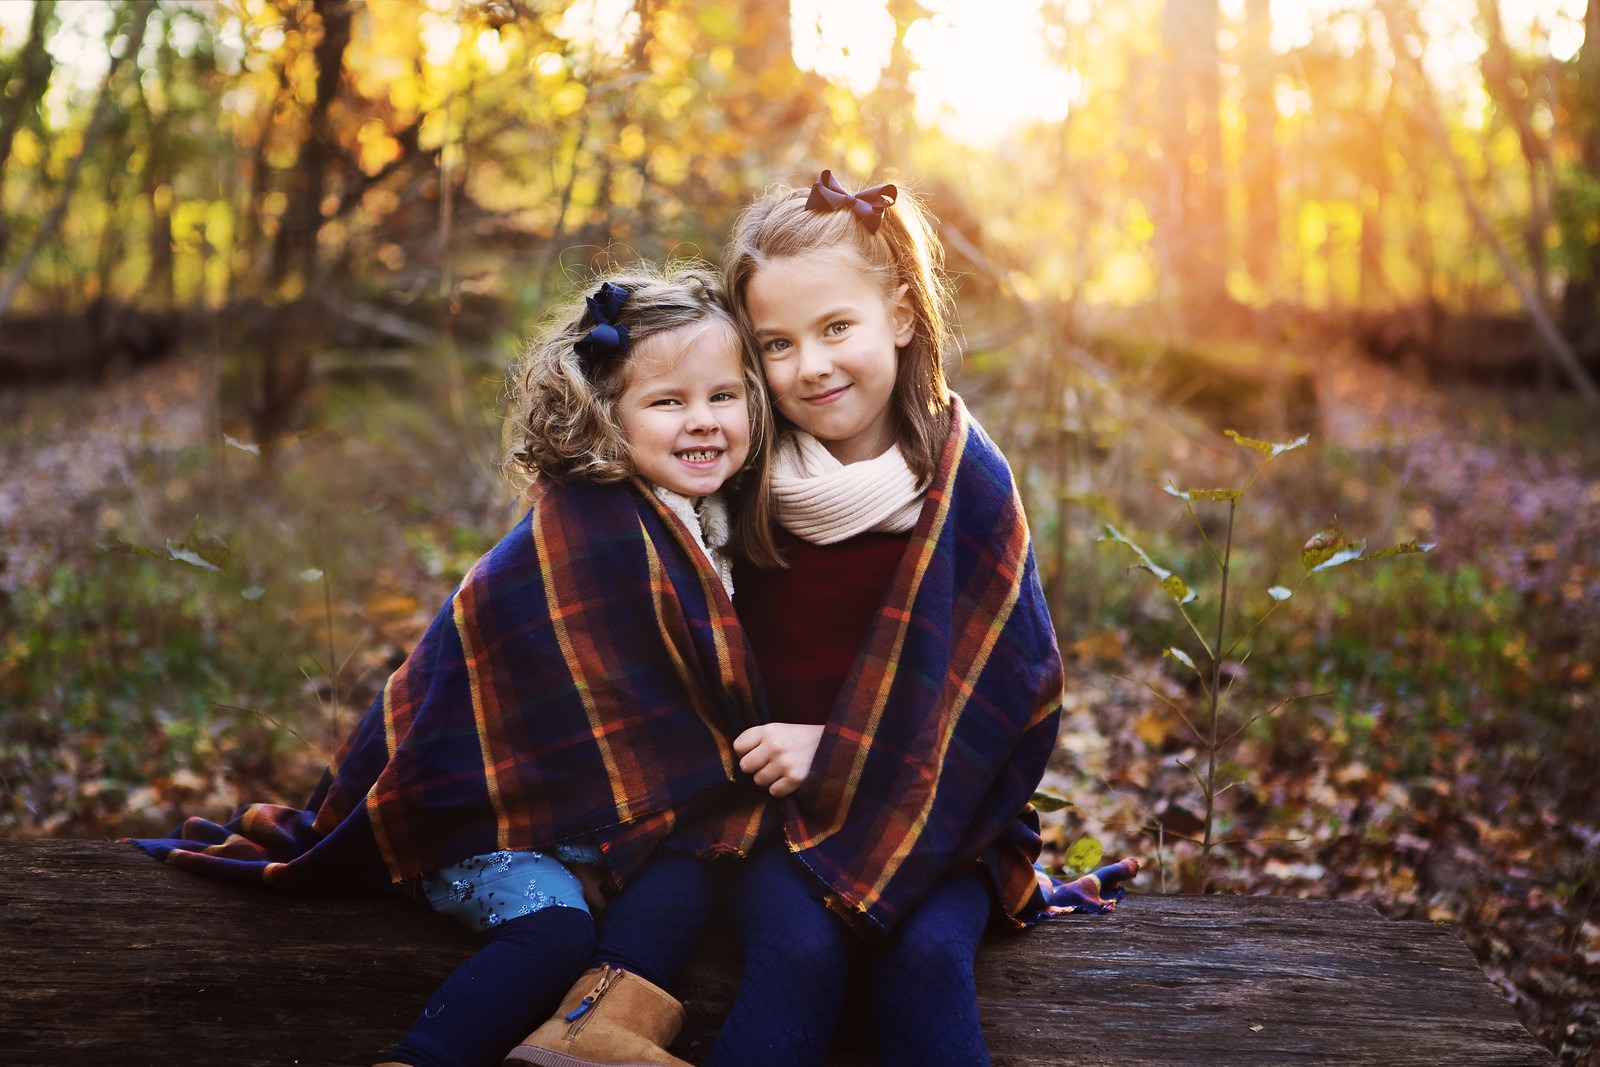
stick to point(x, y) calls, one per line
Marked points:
point(585, 679)
point(949, 715)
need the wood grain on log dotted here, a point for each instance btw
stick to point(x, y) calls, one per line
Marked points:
point(107, 957)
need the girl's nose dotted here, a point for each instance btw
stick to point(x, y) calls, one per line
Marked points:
point(815, 363)
point(702, 418)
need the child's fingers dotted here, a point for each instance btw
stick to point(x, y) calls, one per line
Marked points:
point(783, 787)
point(756, 754)
point(777, 776)
point(777, 756)
point(764, 768)
point(748, 740)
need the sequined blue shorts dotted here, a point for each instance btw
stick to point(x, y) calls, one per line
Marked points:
point(485, 891)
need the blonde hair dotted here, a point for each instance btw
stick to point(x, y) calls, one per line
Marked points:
point(562, 420)
point(905, 251)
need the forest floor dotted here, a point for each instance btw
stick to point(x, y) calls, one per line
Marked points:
point(1499, 834)
point(1500, 838)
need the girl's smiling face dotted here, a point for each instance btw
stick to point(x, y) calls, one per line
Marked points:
point(685, 411)
point(829, 337)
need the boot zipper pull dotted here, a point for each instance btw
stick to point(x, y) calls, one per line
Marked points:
point(576, 1015)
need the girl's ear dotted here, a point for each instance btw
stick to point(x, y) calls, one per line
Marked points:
point(903, 316)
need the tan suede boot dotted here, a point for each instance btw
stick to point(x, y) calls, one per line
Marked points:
point(611, 1018)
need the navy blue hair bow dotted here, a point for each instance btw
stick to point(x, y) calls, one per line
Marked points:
point(867, 206)
point(609, 338)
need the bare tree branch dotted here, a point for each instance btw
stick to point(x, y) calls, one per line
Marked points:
point(410, 152)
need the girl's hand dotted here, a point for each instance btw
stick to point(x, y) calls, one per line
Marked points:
point(778, 755)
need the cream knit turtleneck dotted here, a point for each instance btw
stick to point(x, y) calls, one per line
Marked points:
point(825, 501)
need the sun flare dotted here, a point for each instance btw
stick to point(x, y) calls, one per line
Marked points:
point(983, 66)
point(986, 68)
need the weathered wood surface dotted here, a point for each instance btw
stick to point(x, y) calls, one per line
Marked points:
point(107, 957)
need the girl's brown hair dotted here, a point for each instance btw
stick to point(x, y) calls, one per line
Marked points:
point(904, 251)
point(562, 419)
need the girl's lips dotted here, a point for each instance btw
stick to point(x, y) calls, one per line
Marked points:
point(826, 398)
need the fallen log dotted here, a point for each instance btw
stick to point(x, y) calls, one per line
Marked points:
point(107, 957)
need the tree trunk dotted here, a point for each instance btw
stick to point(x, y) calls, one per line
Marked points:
point(1581, 302)
point(1544, 327)
point(111, 958)
point(285, 370)
point(1371, 287)
point(26, 86)
point(98, 120)
point(155, 185)
point(24, 89)
point(294, 258)
point(1259, 160)
point(1516, 98)
point(637, 172)
point(1193, 224)
point(251, 254)
point(893, 121)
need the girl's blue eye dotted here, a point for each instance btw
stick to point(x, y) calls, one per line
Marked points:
point(777, 344)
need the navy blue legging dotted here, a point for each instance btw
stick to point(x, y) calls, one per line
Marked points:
point(797, 960)
point(510, 986)
point(652, 927)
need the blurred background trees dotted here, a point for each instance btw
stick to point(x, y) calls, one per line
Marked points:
point(263, 264)
point(332, 164)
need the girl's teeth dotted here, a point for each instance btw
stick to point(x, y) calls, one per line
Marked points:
point(698, 457)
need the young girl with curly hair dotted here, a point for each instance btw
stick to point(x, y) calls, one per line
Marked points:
point(572, 706)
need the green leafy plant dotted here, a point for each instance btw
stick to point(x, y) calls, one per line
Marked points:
point(1325, 550)
point(209, 552)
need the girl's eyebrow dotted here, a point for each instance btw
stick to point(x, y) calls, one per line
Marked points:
point(843, 310)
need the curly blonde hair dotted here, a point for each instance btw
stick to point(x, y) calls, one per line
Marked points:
point(562, 420)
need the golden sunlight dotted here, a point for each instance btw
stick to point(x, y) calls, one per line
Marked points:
point(986, 68)
point(982, 65)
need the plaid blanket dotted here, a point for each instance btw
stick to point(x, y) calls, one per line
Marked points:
point(585, 679)
point(948, 717)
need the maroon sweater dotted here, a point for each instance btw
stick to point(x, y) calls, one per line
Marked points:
point(807, 623)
